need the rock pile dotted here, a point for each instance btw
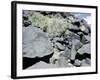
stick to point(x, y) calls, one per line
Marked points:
point(61, 34)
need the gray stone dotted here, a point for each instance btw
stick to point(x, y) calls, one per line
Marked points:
point(77, 62)
point(86, 62)
point(41, 65)
point(35, 42)
point(75, 41)
point(61, 62)
point(71, 19)
point(73, 27)
point(61, 58)
point(67, 53)
point(72, 36)
point(73, 52)
point(86, 31)
point(78, 46)
point(85, 39)
point(60, 46)
point(82, 28)
point(85, 49)
point(55, 39)
point(88, 37)
point(76, 36)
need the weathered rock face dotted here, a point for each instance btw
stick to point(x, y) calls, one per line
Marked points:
point(59, 35)
point(35, 42)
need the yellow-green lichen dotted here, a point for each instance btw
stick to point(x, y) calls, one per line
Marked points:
point(53, 26)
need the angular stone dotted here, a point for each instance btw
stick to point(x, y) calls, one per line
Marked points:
point(73, 52)
point(88, 38)
point(60, 46)
point(82, 28)
point(67, 53)
point(85, 39)
point(75, 41)
point(78, 46)
point(73, 27)
point(61, 62)
point(85, 49)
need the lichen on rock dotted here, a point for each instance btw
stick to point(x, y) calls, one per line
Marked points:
point(62, 36)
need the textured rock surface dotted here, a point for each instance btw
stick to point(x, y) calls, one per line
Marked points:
point(56, 39)
point(35, 42)
point(85, 49)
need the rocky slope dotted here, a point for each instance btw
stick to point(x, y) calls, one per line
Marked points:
point(55, 39)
